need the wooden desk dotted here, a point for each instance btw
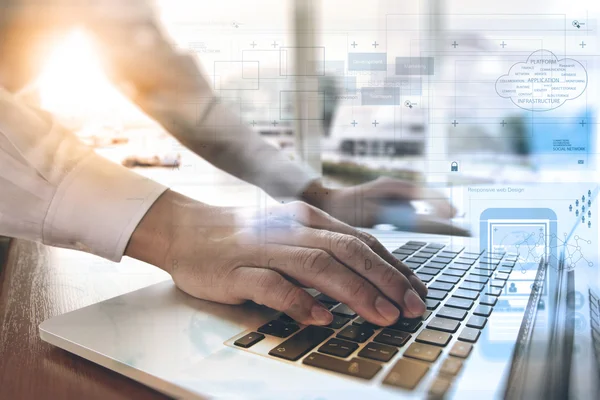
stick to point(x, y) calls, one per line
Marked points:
point(38, 282)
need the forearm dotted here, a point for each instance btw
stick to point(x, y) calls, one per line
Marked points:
point(57, 191)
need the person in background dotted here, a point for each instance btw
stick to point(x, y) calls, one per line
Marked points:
point(57, 191)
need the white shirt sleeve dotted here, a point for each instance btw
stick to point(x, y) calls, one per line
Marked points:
point(56, 190)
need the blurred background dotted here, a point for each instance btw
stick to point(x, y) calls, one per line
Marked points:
point(396, 88)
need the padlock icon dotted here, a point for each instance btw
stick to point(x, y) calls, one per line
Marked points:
point(454, 166)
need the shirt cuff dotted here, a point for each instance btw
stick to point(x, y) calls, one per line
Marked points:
point(97, 206)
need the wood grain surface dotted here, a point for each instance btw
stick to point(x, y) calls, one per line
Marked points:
point(38, 282)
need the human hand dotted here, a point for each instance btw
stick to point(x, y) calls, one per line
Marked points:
point(386, 201)
point(228, 256)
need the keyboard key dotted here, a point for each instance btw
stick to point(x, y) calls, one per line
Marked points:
point(407, 324)
point(355, 367)
point(472, 286)
point(420, 260)
point(422, 351)
point(455, 272)
point(436, 294)
point(453, 250)
point(436, 338)
point(344, 311)
point(477, 322)
point(466, 261)
point(356, 333)
point(455, 302)
point(448, 278)
point(338, 321)
point(429, 271)
point(424, 277)
point(399, 256)
point(483, 311)
point(323, 298)
point(436, 246)
point(362, 322)
point(443, 324)
point(278, 328)
point(461, 349)
point(412, 265)
point(487, 265)
point(438, 388)
point(409, 247)
point(301, 343)
point(406, 374)
point(428, 250)
point(392, 337)
point(497, 283)
point(441, 286)
point(469, 256)
point(378, 352)
point(415, 243)
point(461, 267)
point(477, 278)
point(492, 259)
point(505, 270)
point(469, 335)
point(338, 347)
point(482, 272)
point(465, 294)
point(488, 300)
point(441, 260)
point(452, 313)
point(286, 318)
point(432, 304)
point(501, 275)
point(451, 366)
point(249, 340)
point(404, 252)
point(493, 291)
point(424, 254)
point(436, 265)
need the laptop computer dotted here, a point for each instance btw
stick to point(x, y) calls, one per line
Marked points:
point(478, 338)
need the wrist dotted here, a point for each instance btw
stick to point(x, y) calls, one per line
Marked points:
point(154, 236)
point(150, 238)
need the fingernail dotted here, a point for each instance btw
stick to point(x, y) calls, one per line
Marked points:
point(414, 303)
point(418, 284)
point(321, 315)
point(386, 309)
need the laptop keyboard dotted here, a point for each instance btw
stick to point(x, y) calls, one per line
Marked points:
point(463, 290)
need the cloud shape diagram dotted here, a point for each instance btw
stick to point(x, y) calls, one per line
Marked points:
point(543, 82)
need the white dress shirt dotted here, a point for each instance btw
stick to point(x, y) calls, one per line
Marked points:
point(56, 190)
